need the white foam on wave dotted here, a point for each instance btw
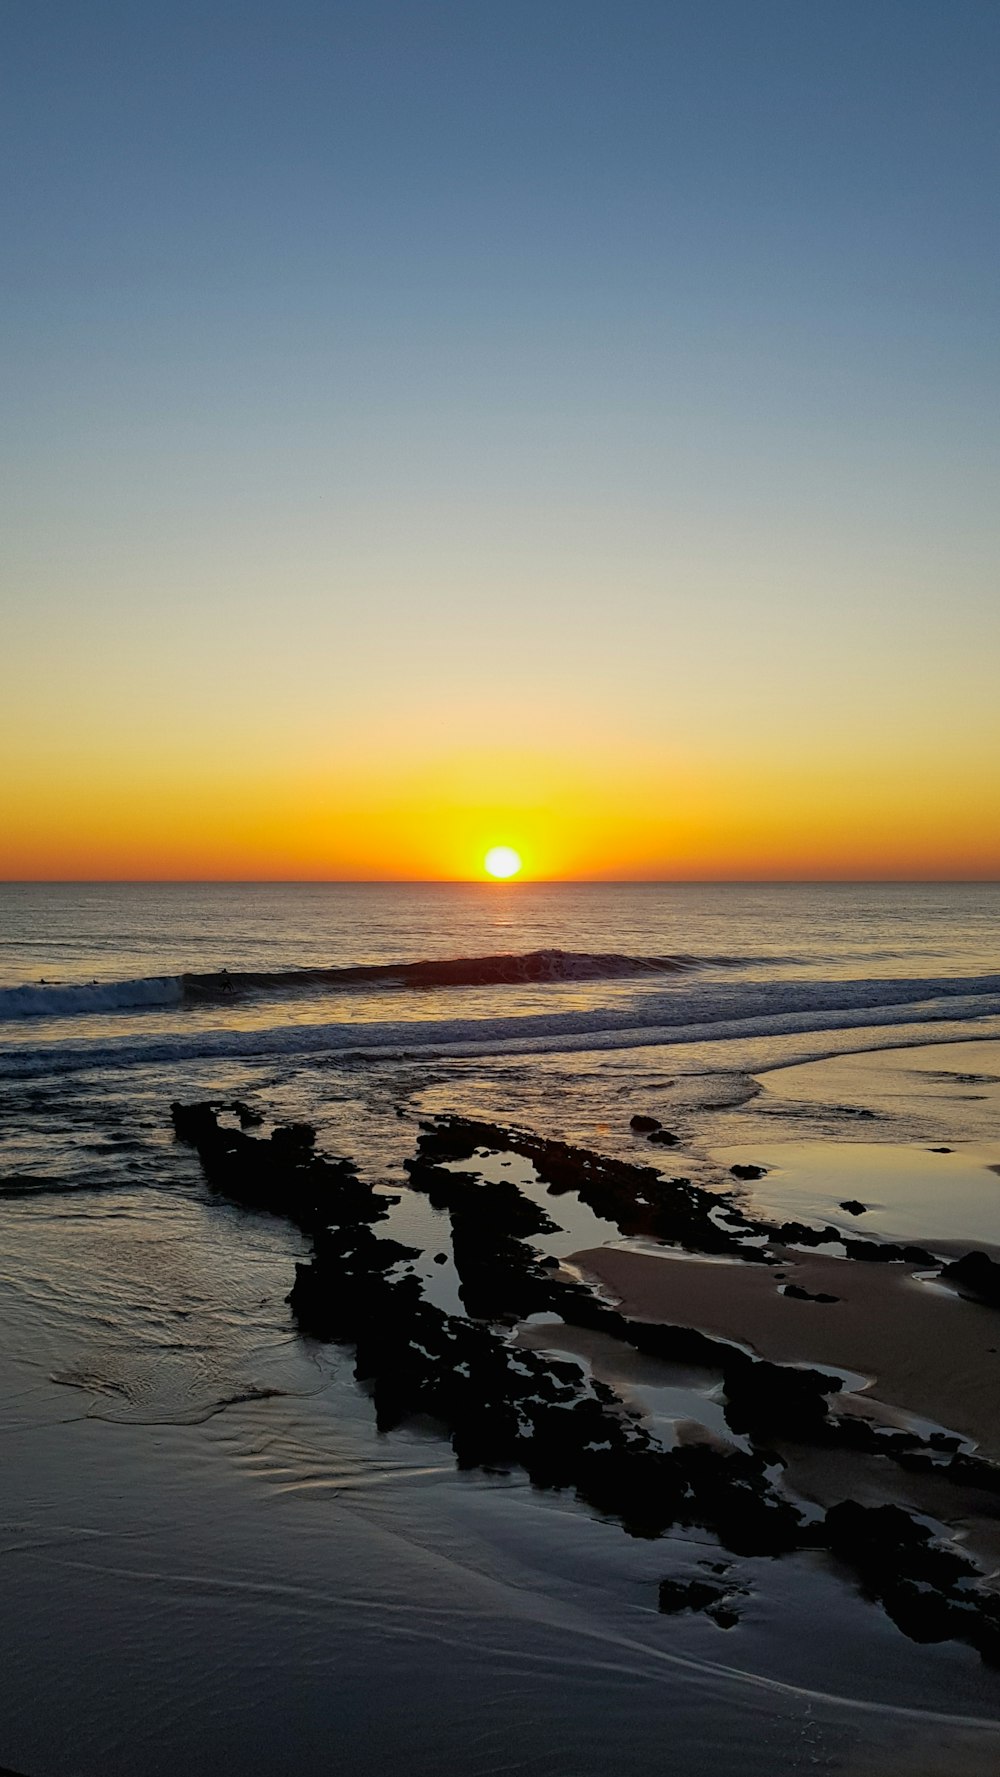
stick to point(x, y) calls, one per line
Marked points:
point(62, 999)
point(527, 1034)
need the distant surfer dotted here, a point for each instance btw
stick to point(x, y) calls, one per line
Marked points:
point(226, 981)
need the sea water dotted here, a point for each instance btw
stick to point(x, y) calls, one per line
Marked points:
point(209, 1552)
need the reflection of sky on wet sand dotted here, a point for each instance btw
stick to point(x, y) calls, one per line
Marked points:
point(951, 1088)
point(909, 1193)
point(940, 1096)
point(672, 1399)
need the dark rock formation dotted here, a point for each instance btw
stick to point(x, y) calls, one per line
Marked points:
point(885, 1252)
point(635, 1198)
point(283, 1174)
point(801, 1234)
point(749, 1171)
point(853, 1206)
point(503, 1406)
point(925, 1588)
point(249, 1118)
point(976, 1276)
point(644, 1125)
point(769, 1400)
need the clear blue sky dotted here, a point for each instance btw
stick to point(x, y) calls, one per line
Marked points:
point(632, 365)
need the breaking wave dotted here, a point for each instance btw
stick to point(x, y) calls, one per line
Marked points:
point(52, 999)
point(708, 1013)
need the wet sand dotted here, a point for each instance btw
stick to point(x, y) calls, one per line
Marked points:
point(926, 1351)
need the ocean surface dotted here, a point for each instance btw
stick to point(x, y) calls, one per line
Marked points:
point(209, 1553)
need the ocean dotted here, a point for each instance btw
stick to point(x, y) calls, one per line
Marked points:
point(210, 1551)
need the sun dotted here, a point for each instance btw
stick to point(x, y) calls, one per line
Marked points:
point(502, 860)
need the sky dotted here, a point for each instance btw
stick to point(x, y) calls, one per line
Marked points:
point(432, 424)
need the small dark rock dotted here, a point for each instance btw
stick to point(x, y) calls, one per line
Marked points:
point(748, 1171)
point(853, 1206)
point(681, 1595)
point(664, 1137)
point(678, 1595)
point(801, 1295)
point(800, 1234)
point(440, 1258)
point(644, 1125)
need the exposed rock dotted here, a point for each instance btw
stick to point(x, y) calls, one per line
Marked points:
point(249, 1118)
point(977, 1276)
point(644, 1125)
point(283, 1174)
point(801, 1234)
point(768, 1400)
point(748, 1171)
point(853, 1206)
point(635, 1198)
point(700, 1595)
point(796, 1291)
point(665, 1137)
point(885, 1252)
point(925, 1587)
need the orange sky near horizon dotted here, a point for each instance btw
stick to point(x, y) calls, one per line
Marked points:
point(627, 819)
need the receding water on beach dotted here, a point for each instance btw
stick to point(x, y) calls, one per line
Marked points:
point(211, 1553)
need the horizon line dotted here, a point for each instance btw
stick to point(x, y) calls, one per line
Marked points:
point(495, 883)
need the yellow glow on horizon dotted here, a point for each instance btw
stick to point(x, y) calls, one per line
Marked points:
point(502, 861)
point(199, 812)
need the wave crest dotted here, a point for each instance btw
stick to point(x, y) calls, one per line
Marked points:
point(51, 999)
point(504, 968)
point(61, 999)
point(701, 1016)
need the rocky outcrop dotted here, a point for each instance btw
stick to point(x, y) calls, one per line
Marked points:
point(283, 1174)
point(503, 1406)
point(637, 1199)
point(977, 1276)
point(927, 1589)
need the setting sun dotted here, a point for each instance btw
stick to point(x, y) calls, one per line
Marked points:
point(502, 860)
